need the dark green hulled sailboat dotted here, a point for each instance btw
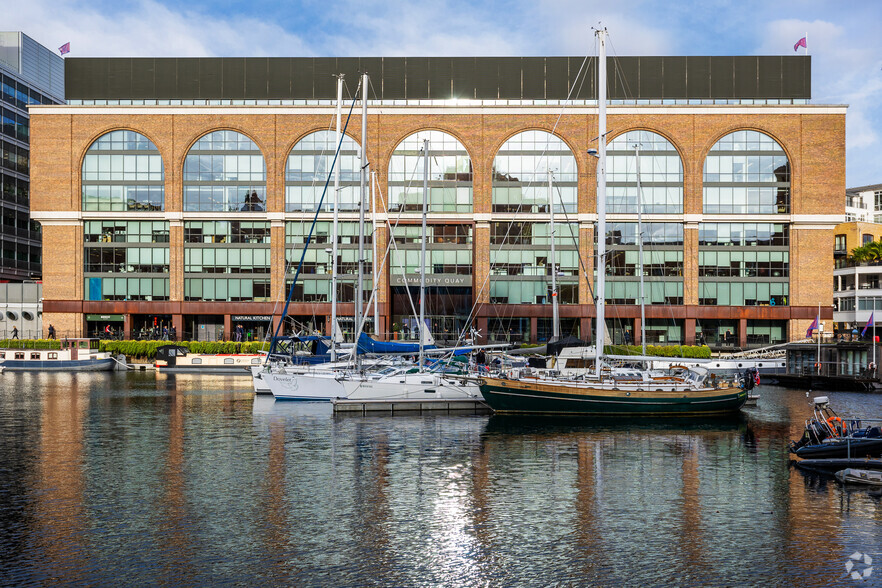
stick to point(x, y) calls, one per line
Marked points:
point(611, 392)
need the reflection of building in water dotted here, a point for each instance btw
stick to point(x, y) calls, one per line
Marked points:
point(274, 504)
point(587, 535)
point(61, 520)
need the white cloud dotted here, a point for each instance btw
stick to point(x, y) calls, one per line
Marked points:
point(846, 58)
point(146, 28)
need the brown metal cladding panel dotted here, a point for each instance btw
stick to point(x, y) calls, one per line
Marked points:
point(302, 74)
point(210, 78)
point(509, 78)
point(185, 71)
point(417, 72)
point(722, 84)
point(486, 78)
point(769, 77)
point(324, 84)
point(556, 77)
point(349, 67)
point(440, 73)
point(464, 82)
point(233, 79)
point(393, 78)
point(119, 77)
point(533, 87)
point(583, 77)
point(256, 79)
point(373, 67)
point(278, 78)
point(652, 73)
point(673, 77)
point(796, 77)
point(623, 76)
point(62, 306)
point(745, 76)
point(143, 78)
point(85, 78)
point(699, 79)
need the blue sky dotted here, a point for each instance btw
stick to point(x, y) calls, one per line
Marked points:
point(844, 38)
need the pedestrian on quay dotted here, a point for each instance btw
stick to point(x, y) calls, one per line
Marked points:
point(165, 333)
point(15, 332)
point(51, 331)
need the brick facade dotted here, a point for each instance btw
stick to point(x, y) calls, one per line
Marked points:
point(813, 138)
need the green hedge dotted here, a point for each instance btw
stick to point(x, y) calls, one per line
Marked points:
point(684, 351)
point(30, 344)
point(147, 349)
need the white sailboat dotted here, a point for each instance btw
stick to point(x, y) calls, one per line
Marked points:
point(422, 386)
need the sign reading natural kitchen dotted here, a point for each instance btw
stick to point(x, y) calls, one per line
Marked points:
point(251, 318)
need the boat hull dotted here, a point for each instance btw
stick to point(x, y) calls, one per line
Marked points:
point(516, 396)
point(59, 365)
point(322, 387)
point(855, 448)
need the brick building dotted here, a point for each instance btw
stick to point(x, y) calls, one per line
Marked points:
point(172, 191)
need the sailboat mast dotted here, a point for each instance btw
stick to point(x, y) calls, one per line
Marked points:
point(555, 318)
point(423, 248)
point(640, 253)
point(600, 293)
point(374, 251)
point(361, 198)
point(335, 228)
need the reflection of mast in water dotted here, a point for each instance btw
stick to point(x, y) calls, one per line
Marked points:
point(59, 511)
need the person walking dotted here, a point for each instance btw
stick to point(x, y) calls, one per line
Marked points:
point(15, 332)
point(51, 331)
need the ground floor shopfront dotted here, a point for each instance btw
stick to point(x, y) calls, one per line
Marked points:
point(723, 328)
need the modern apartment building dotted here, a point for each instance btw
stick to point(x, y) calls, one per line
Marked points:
point(181, 191)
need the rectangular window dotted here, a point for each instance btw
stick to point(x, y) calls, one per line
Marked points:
point(866, 238)
point(839, 243)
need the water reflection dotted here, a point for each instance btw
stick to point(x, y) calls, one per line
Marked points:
point(186, 479)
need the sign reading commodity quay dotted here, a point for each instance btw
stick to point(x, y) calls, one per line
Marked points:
point(251, 318)
point(433, 280)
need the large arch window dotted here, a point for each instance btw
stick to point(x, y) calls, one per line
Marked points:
point(661, 174)
point(123, 170)
point(224, 172)
point(746, 172)
point(307, 171)
point(450, 174)
point(520, 174)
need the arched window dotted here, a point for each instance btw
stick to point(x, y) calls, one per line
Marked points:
point(123, 170)
point(224, 172)
point(450, 174)
point(661, 174)
point(520, 174)
point(307, 171)
point(746, 172)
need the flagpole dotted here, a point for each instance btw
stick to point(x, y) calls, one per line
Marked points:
point(873, 361)
point(806, 43)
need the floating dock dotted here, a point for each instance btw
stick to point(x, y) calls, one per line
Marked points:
point(365, 406)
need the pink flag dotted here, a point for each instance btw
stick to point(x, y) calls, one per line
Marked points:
point(66, 48)
point(800, 43)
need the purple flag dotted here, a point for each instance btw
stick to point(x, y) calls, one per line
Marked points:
point(813, 326)
point(800, 43)
point(870, 323)
point(64, 48)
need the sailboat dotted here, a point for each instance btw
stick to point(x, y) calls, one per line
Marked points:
point(610, 391)
point(406, 385)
